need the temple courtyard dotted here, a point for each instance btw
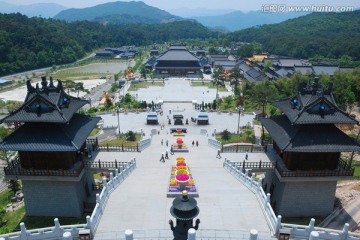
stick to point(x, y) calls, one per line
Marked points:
point(228, 209)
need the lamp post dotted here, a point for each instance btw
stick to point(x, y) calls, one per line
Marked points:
point(238, 128)
point(217, 89)
point(117, 113)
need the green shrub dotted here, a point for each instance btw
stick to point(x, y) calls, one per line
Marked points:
point(225, 135)
point(130, 136)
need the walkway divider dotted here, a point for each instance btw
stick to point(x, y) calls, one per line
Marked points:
point(214, 143)
point(276, 226)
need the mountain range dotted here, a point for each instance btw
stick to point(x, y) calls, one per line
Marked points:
point(45, 10)
point(140, 13)
point(238, 20)
point(118, 13)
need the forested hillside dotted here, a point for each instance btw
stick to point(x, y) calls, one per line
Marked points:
point(325, 34)
point(118, 13)
point(29, 43)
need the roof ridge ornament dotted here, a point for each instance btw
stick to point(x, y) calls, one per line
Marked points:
point(44, 82)
point(30, 88)
point(51, 85)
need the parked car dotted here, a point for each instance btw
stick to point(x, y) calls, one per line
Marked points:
point(152, 118)
point(202, 119)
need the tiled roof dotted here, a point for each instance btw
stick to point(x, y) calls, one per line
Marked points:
point(314, 106)
point(46, 104)
point(51, 136)
point(304, 70)
point(325, 70)
point(307, 138)
point(177, 55)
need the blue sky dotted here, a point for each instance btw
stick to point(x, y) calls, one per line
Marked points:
point(244, 5)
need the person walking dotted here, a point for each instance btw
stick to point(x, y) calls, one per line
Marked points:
point(218, 154)
point(197, 143)
point(171, 150)
point(246, 156)
point(193, 143)
point(162, 159)
point(167, 154)
point(167, 142)
point(162, 142)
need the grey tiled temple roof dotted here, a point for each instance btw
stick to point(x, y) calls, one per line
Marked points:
point(48, 103)
point(307, 138)
point(314, 106)
point(177, 55)
point(51, 136)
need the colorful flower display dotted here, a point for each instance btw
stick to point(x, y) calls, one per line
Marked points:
point(181, 177)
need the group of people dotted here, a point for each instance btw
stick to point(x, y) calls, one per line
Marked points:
point(197, 143)
point(166, 154)
point(166, 142)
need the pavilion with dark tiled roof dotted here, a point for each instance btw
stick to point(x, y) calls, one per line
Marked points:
point(308, 143)
point(50, 138)
point(177, 61)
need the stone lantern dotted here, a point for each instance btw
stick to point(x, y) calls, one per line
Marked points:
point(184, 209)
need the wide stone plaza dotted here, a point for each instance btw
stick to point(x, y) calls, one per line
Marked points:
point(228, 210)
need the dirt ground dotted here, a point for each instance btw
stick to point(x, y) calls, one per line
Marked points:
point(348, 191)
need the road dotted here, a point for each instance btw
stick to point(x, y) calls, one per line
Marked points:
point(45, 69)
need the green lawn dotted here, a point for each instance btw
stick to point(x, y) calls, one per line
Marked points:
point(94, 132)
point(136, 86)
point(356, 165)
point(237, 138)
point(209, 85)
point(118, 141)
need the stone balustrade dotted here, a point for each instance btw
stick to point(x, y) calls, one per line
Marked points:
point(72, 231)
point(296, 231)
point(214, 143)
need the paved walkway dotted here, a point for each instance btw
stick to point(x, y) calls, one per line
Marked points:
point(227, 207)
point(140, 203)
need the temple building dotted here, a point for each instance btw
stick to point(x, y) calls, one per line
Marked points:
point(177, 61)
point(51, 142)
point(308, 144)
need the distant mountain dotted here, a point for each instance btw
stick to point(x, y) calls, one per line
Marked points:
point(330, 35)
point(118, 13)
point(239, 20)
point(44, 10)
point(198, 12)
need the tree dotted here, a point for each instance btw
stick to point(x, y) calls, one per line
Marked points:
point(264, 93)
point(227, 101)
point(108, 101)
point(79, 87)
point(14, 185)
point(235, 76)
point(143, 71)
point(69, 85)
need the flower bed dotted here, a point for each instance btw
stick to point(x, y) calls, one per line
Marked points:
point(173, 184)
point(181, 164)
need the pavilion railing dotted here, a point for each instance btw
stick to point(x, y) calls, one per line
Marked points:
point(15, 169)
point(253, 165)
point(243, 148)
point(284, 172)
point(122, 148)
point(106, 165)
